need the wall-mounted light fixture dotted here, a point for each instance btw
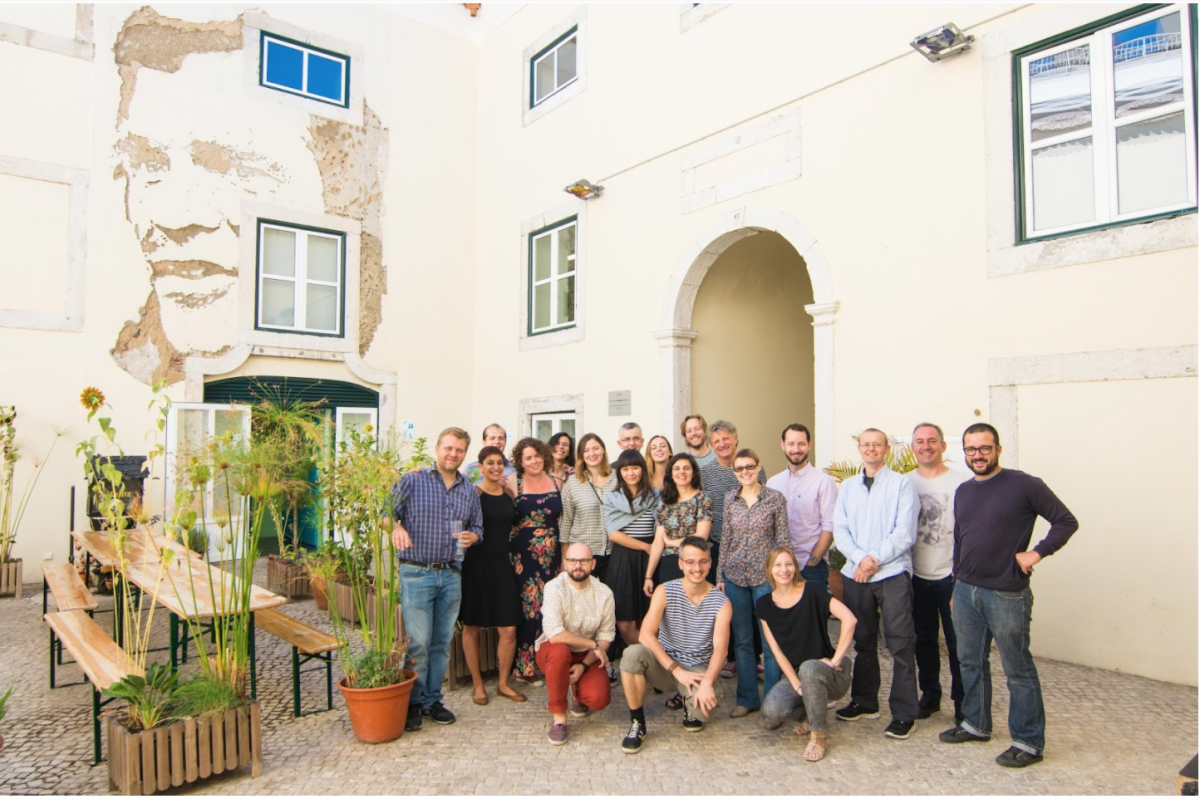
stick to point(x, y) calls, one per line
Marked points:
point(942, 42)
point(584, 190)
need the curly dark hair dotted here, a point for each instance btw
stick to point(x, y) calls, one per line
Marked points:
point(554, 439)
point(670, 491)
point(540, 446)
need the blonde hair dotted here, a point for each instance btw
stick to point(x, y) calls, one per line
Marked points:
point(773, 556)
point(650, 470)
point(456, 432)
point(581, 470)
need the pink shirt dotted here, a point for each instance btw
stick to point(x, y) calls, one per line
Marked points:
point(811, 495)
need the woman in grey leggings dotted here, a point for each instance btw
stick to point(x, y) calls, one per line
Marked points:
point(795, 624)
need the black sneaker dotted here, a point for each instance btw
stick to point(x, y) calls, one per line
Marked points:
point(854, 711)
point(960, 736)
point(899, 729)
point(437, 711)
point(690, 722)
point(413, 722)
point(633, 741)
point(1012, 757)
point(928, 706)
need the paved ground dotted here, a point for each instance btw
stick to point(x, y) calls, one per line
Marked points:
point(1108, 733)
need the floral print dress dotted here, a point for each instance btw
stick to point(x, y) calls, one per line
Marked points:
point(533, 547)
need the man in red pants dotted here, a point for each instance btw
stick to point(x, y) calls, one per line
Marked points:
point(579, 623)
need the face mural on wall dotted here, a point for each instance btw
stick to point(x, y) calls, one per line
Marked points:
point(193, 144)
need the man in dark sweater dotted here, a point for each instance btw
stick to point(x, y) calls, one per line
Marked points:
point(994, 516)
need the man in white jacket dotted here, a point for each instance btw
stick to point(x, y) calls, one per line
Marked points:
point(874, 526)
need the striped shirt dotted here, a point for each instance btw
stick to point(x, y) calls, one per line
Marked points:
point(686, 630)
point(583, 515)
point(425, 507)
point(718, 481)
point(643, 527)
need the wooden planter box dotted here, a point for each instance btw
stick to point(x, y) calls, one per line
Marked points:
point(10, 578)
point(345, 605)
point(186, 751)
point(288, 579)
point(488, 639)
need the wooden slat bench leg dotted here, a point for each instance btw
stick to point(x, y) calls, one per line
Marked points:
point(95, 726)
point(295, 681)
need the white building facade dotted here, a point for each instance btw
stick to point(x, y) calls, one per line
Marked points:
point(802, 219)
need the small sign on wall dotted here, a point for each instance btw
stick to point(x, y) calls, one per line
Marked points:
point(620, 403)
point(407, 430)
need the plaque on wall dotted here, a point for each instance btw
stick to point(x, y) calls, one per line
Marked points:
point(620, 403)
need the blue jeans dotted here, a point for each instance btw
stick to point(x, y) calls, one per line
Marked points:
point(742, 629)
point(931, 603)
point(429, 600)
point(817, 574)
point(981, 615)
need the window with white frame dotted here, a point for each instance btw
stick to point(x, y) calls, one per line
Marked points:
point(552, 277)
point(301, 279)
point(554, 67)
point(545, 425)
point(302, 69)
point(1107, 124)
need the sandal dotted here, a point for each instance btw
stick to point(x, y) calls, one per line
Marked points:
point(816, 747)
point(675, 702)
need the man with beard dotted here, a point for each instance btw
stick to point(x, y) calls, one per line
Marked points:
point(695, 433)
point(578, 625)
point(933, 585)
point(994, 516)
point(811, 495)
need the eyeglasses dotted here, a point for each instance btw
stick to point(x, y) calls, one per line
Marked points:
point(577, 561)
point(739, 469)
point(985, 451)
point(871, 445)
point(690, 563)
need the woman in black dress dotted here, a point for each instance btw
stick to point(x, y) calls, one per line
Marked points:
point(629, 517)
point(489, 588)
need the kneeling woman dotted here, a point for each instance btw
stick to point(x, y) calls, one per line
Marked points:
point(795, 624)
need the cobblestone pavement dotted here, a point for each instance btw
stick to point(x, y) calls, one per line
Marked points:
point(1108, 733)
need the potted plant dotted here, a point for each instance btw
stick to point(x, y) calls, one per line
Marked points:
point(357, 484)
point(324, 565)
point(900, 459)
point(4, 709)
point(11, 510)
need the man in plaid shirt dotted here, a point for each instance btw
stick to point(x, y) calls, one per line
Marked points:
point(435, 509)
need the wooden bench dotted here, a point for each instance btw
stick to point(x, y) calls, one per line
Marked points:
point(306, 639)
point(102, 661)
point(61, 581)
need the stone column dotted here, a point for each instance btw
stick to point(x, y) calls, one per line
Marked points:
point(675, 391)
point(823, 318)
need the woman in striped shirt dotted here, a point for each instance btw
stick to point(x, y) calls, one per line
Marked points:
point(629, 517)
point(583, 502)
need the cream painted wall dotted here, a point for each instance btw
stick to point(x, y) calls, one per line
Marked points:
point(752, 363)
point(1123, 590)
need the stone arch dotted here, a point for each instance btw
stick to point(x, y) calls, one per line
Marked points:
point(676, 336)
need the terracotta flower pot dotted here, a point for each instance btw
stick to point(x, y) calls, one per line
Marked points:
point(377, 715)
point(835, 584)
point(318, 592)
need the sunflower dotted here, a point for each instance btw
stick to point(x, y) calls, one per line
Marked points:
point(91, 398)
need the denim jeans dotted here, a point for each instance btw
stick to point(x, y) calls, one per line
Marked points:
point(817, 574)
point(820, 685)
point(429, 600)
point(981, 615)
point(890, 598)
point(931, 607)
point(742, 598)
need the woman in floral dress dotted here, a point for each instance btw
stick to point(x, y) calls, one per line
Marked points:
point(533, 545)
point(685, 510)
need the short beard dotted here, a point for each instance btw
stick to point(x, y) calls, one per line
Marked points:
point(799, 462)
point(991, 467)
point(579, 579)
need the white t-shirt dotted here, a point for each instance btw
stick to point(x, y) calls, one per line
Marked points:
point(933, 552)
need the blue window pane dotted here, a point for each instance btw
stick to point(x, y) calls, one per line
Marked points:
point(325, 77)
point(285, 65)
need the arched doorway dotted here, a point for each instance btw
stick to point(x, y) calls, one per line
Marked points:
point(752, 359)
point(678, 333)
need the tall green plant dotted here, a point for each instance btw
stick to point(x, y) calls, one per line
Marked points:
point(295, 426)
point(357, 486)
point(13, 510)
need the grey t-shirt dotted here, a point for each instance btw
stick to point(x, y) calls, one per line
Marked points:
point(933, 552)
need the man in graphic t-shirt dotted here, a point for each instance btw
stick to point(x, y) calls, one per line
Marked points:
point(932, 557)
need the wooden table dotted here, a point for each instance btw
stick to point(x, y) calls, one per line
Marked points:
point(185, 587)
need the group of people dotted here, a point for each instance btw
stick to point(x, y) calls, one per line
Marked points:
point(669, 563)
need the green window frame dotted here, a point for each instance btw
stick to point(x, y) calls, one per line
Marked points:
point(554, 67)
point(1096, 93)
point(552, 277)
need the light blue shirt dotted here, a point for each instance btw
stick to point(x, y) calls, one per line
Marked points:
point(881, 523)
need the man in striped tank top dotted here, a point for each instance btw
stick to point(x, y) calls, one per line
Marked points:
point(681, 647)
